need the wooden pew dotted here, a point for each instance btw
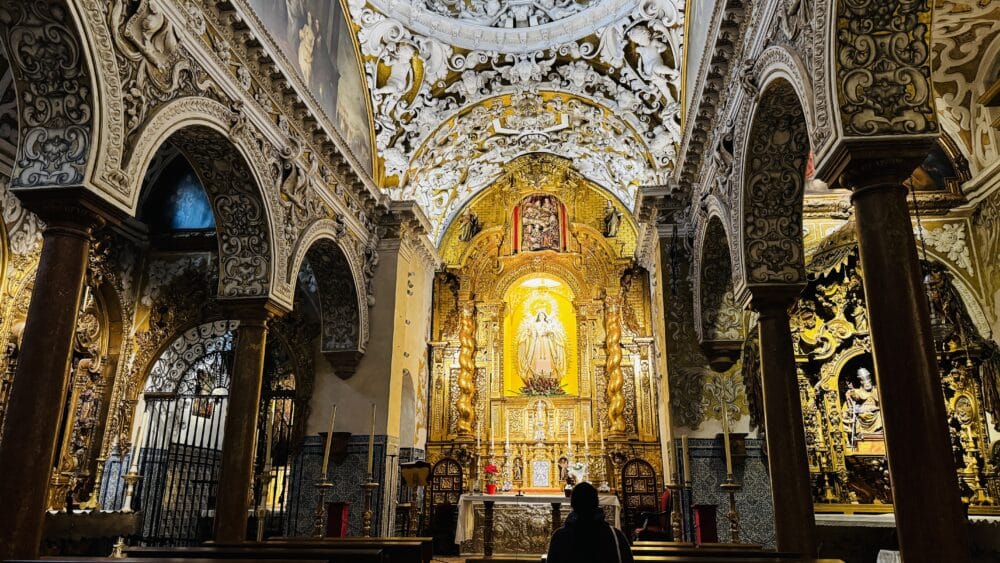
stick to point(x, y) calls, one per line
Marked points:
point(732, 551)
point(74, 559)
point(344, 554)
point(396, 549)
point(725, 559)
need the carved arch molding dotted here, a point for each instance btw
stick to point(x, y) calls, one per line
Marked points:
point(720, 315)
point(770, 218)
point(344, 335)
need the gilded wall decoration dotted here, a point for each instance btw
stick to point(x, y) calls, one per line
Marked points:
point(56, 98)
point(839, 387)
point(884, 67)
point(515, 329)
point(771, 201)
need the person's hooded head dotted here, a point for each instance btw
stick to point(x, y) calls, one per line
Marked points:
point(584, 499)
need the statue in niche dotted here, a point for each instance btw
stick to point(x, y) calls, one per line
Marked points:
point(612, 219)
point(539, 219)
point(468, 226)
point(541, 354)
point(516, 470)
point(862, 409)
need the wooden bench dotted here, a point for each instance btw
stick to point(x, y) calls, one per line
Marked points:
point(726, 559)
point(347, 554)
point(396, 549)
point(732, 551)
point(71, 559)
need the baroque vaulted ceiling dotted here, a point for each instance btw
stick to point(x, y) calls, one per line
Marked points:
point(461, 87)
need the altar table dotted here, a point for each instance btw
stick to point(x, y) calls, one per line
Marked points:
point(524, 531)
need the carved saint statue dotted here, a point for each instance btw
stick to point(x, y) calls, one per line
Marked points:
point(468, 226)
point(540, 223)
point(612, 220)
point(862, 410)
point(541, 350)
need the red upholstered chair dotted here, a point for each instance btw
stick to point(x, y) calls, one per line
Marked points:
point(656, 525)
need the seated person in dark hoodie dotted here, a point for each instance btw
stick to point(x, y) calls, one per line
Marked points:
point(586, 537)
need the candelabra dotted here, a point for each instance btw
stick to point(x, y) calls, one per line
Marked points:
point(731, 486)
point(265, 481)
point(676, 526)
point(320, 516)
point(366, 517)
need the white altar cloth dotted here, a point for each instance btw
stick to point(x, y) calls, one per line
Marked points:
point(466, 516)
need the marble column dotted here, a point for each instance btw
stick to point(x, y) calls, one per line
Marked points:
point(791, 486)
point(38, 392)
point(240, 439)
point(930, 519)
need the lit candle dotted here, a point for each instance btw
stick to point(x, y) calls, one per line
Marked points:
point(725, 438)
point(586, 430)
point(135, 440)
point(506, 433)
point(678, 468)
point(479, 438)
point(600, 425)
point(371, 444)
point(329, 442)
point(492, 445)
point(268, 438)
point(686, 474)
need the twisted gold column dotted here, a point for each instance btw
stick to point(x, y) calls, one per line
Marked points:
point(616, 381)
point(466, 369)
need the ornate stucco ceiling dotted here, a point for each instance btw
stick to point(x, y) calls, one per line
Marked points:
point(460, 87)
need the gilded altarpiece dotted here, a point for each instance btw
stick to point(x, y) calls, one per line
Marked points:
point(841, 403)
point(538, 354)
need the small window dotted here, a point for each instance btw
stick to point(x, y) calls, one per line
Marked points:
point(178, 201)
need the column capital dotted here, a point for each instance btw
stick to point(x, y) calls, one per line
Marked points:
point(769, 300)
point(722, 354)
point(255, 311)
point(74, 208)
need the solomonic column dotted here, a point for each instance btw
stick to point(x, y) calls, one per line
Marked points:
point(239, 444)
point(791, 486)
point(930, 520)
point(466, 370)
point(613, 366)
point(38, 392)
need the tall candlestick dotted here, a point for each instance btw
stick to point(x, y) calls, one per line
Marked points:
point(329, 442)
point(479, 438)
point(683, 462)
point(686, 474)
point(492, 445)
point(268, 438)
point(725, 439)
point(371, 443)
point(600, 425)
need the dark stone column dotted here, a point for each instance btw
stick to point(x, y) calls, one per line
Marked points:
point(39, 388)
point(791, 488)
point(930, 520)
point(240, 440)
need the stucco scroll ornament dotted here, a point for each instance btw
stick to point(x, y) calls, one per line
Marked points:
point(56, 102)
point(155, 63)
point(883, 67)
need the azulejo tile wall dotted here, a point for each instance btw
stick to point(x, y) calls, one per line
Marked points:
point(753, 501)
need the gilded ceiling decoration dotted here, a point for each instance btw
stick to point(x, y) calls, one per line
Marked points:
point(486, 82)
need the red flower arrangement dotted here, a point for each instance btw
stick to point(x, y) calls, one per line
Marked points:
point(491, 474)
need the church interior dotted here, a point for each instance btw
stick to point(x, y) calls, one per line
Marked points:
point(381, 280)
